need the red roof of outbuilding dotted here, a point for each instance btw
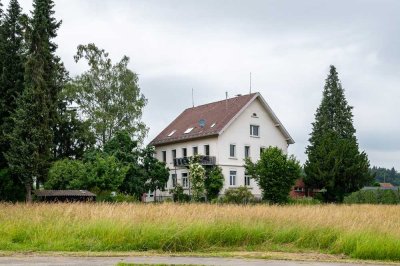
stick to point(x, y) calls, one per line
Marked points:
point(216, 116)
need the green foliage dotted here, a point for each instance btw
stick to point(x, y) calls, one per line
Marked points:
point(214, 182)
point(179, 195)
point(375, 196)
point(11, 71)
point(101, 173)
point(239, 195)
point(10, 188)
point(108, 95)
point(383, 175)
point(275, 173)
point(197, 175)
point(65, 173)
point(31, 138)
point(334, 160)
point(156, 174)
point(72, 137)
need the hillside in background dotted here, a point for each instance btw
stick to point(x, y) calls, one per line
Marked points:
point(384, 175)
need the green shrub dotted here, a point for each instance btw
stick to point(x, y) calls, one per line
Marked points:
point(378, 196)
point(240, 195)
point(179, 195)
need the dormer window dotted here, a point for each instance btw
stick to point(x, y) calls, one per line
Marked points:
point(213, 125)
point(172, 133)
point(188, 130)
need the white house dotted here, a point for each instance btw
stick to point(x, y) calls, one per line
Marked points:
point(224, 133)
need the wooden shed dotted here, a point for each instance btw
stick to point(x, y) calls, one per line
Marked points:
point(65, 195)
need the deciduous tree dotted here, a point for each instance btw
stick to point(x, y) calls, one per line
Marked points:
point(109, 95)
point(275, 173)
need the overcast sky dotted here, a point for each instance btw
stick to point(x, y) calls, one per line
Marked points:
point(211, 46)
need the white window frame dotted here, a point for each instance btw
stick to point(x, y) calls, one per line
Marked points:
point(249, 155)
point(209, 150)
point(173, 180)
point(197, 148)
point(247, 180)
point(252, 126)
point(185, 184)
point(232, 178)
point(162, 156)
point(234, 150)
point(183, 154)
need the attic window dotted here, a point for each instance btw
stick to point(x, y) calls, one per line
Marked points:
point(254, 115)
point(188, 130)
point(172, 133)
point(213, 125)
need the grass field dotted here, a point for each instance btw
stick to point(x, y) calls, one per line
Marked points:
point(359, 231)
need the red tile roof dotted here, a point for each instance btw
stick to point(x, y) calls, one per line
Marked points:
point(218, 114)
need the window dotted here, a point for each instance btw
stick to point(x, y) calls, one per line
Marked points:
point(173, 178)
point(184, 152)
point(213, 125)
point(207, 150)
point(195, 150)
point(173, 154)
point(232, 150)
point(188, 130)
point(247, 180)
point(164, 156)
point(254, 130)
point(172, 133)
point(246, 151)
point(185, 180)
point(232, 178)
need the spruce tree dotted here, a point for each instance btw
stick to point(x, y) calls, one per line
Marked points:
point(334, 160)
point(12, 74)
point(32, 137)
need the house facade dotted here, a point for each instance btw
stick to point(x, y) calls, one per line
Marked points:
point(223, 134)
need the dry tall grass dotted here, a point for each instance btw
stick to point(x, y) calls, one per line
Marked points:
point(361, 231)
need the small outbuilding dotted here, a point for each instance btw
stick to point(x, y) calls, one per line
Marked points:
point(65, 195)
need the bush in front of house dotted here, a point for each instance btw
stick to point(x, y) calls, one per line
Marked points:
point(239, 195)
point(377, 196)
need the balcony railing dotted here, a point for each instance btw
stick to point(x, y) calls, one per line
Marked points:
point(202, 159)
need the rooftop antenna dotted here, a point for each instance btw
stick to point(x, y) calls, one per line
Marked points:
point(192, 99)
point(250, 82)
point(226, 100)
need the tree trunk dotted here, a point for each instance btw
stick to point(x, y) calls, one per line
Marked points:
point(28, 195)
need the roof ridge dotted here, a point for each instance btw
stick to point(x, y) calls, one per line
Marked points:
point(205, 104)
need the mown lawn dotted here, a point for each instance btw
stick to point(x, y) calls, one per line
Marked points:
point(358, 231)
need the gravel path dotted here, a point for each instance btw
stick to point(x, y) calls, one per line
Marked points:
point(111, 261)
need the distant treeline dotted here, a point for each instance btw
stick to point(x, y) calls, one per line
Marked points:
point(386, 175)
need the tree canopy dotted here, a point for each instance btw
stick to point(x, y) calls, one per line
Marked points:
point(275, 173)
point(109, 95)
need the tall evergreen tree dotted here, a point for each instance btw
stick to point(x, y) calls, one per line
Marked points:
point(12, 74)
point(32, 136)
point(334, 160)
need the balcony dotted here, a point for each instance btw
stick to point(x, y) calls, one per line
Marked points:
point(204, 160)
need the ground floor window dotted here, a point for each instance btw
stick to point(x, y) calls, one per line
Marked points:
point(173, 178)
point(247, 180)
point(232, 178)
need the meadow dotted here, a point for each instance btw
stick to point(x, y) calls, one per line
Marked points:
point(358, 231)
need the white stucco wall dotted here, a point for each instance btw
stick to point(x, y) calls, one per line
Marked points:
point(238, 133)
